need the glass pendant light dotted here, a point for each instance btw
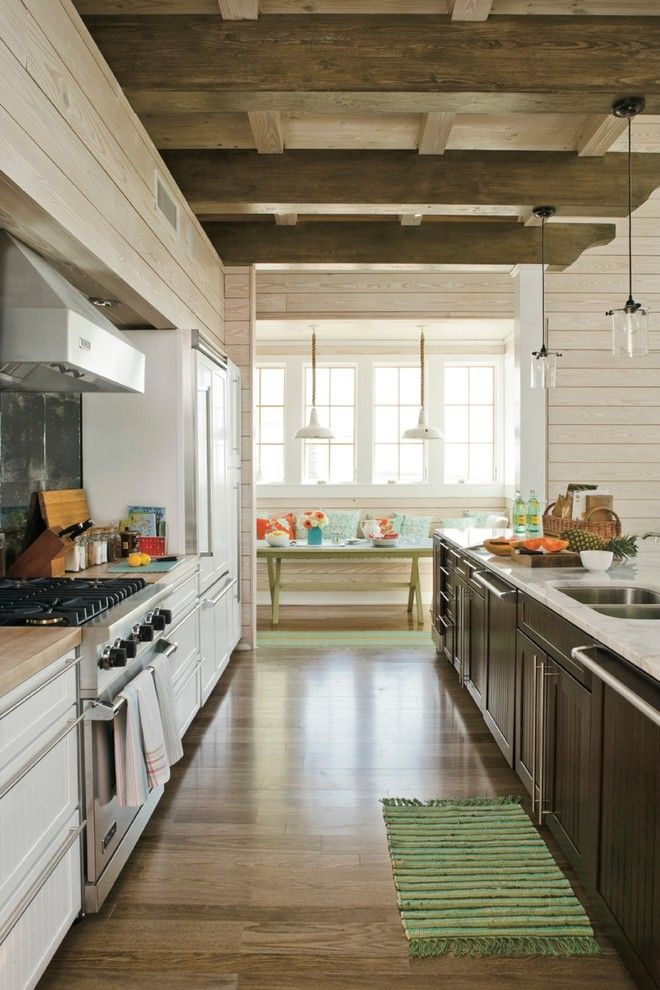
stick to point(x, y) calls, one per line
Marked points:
point(422, 431)
point(314, 430)
point(630, 325)
point(544, 362)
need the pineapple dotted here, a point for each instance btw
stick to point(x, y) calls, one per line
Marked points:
point(582, 539)
point(622, 546)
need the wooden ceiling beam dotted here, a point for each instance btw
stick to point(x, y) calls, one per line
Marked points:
point(471, 10)
point(389, 243)
point(599, 134)
point(434, 133)
point(216, 182)
point(268, 132)
point(362, 63)
point(239, 10)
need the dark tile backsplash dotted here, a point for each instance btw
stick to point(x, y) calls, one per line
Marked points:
point(40, 448)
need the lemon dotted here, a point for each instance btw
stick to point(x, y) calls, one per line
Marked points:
point(135, 559)
point(146, 559)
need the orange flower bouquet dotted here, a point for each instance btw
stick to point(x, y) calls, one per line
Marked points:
point(313, 520)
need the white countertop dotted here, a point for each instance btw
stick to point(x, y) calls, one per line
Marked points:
point(637, 640)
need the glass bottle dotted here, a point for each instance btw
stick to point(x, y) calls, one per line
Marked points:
point(519, 514)
point(533, 515)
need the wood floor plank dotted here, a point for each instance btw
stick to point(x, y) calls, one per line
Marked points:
point(265, 866)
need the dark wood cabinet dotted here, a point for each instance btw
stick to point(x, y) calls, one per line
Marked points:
point(628, 865)
point(500, 693)
point(568, 800)
point(476, 657)
point(527, 745)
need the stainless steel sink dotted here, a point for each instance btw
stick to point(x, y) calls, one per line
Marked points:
point(629, 611)
point(612, 596)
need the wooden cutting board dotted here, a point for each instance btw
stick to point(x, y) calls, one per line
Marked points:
point(64, 507)
point(564, 558)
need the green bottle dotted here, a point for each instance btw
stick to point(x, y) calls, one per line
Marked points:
point(519, 514)
point(533, 515)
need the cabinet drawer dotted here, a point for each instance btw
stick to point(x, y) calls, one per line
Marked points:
point(28, 723)
point(187, 698)
point(557, 636)
point(186, 636)
point(36, 808)
point(34, 938)
point(183, 598)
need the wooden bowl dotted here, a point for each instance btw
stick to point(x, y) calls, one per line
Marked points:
point(498, 549)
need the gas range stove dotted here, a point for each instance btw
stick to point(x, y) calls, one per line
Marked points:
point(62, 601)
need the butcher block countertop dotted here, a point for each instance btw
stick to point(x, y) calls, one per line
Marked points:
point(24, 652)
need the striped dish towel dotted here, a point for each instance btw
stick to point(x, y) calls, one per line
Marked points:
point(165, 695)
point(153, 738)
point(130, 770)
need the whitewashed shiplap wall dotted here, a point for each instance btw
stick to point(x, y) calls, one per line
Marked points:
point(604, 416)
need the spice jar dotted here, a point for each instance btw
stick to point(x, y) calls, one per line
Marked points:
point(128, 542)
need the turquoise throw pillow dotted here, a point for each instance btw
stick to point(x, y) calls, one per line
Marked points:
point(412, 528)
point(342, 525)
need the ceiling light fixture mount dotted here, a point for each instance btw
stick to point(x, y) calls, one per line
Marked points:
point(630, 324)
point(314, 430)
point(544, 362)
point(422, 431)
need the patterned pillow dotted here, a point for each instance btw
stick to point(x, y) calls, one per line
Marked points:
point(477, 519)
point(342, 525)
point(461, 523)
point(412, 528)
point(287, 523)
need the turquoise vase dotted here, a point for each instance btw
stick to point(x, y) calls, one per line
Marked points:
point(315, 536)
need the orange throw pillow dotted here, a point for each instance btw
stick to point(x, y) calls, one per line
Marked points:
point(287, 523)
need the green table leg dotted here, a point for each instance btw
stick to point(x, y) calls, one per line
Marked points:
point(271, 580)
point(276, 591)
point(411, 590)
point(418, 591)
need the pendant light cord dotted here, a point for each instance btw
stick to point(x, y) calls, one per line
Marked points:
point(630, 251)
point(421, 368)
point(314, 369)
point(543, 219)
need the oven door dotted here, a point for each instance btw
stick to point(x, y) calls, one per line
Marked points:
point(112, 829)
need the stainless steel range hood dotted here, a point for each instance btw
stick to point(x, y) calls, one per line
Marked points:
point(52, 339)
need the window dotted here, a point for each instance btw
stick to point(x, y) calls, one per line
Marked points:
point(331, 461)
point(469, 425)
point(396, 408)
point(269, 425)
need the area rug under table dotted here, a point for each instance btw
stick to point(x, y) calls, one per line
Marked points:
point(474, 877)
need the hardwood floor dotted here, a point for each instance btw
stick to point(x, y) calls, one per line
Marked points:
point(265, 866)
point(340, 617)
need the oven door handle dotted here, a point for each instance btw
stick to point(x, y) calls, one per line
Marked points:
point(167, 648)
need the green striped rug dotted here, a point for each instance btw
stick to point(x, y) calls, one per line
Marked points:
point(475, 878)
point(322, 638)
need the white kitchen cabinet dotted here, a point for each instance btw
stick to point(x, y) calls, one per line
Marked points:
point(40, 821)
point(214, 619)
point(214, 538)
point(233, 415)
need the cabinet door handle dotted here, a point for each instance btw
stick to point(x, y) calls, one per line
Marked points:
point(541, 742)
point(40, 754)
point(581, 654)
point(71, 665)
point(504, 594)
point(535, 727)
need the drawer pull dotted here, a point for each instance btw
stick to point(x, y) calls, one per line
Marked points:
point(45, 874)
point(581, 654)
point(504, 594)
point(212, 602)
point(49, 680)
point(69, 727)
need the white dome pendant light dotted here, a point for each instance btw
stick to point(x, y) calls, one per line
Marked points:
point(314, 430)
point(422, 431)
point(630, 325)
point(544, 362)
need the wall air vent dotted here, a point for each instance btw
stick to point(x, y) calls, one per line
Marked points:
point(166, 205)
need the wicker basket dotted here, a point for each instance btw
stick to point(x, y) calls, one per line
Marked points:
point(607, 529)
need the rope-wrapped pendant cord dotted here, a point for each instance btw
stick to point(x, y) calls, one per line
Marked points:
point(630, 270)
point(543, 281)
point(421, 368)
point(314, 369)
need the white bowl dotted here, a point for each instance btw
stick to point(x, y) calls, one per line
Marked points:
point(277, 541)
point(378, 541)
point(596, 560)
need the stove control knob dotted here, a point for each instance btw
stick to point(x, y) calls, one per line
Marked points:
point(167, 612)
point(130, 645)
point(158, 621)
point(145, 632)
point(104, 662)
point(117, 656)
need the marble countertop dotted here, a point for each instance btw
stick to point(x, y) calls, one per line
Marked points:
point(24, 652)
point(186, 564)
point(636, 640)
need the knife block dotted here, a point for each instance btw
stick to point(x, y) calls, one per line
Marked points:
point(43, 558)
